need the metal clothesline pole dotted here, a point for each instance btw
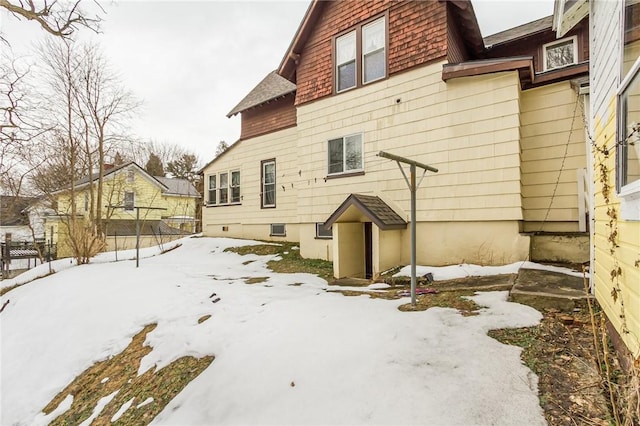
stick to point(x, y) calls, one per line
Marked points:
point(411, 183)
point(137, 209)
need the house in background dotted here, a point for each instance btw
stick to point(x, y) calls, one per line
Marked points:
point(23, 218)
point(500, 118)
point(166, 208)
point(615, 157)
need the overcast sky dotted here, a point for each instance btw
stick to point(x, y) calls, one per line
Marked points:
point(192, 62)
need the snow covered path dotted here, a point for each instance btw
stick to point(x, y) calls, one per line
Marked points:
point(285, 353)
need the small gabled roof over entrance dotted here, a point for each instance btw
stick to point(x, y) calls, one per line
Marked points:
point(373, 208)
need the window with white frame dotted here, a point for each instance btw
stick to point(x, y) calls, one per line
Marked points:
point(129, 200)
point(235, 186)
point(345, 155)
point(224, 188)
point(560, 53)
point(278, 230)
point(212, 189)
point(628, 114)
point(131, 176)
point(373, 51)
point(360, 55)
point(346, 61)
point(268, 179)
point(322, 232)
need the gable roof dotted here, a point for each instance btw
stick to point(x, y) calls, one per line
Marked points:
point(176, 186)
point(94, 176)
point(270, 88)
point(373, 208)
point(521, 31)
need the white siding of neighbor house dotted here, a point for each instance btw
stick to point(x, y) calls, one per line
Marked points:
point(468, 128)
point(552, 126)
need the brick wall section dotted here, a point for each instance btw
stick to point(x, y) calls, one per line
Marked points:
point(417, 35)
point(276, 115)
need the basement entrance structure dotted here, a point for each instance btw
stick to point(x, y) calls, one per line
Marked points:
point(367, 237)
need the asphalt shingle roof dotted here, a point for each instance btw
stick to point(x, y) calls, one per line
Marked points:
point(374, 208)
point(271, 87)
point(520, 31)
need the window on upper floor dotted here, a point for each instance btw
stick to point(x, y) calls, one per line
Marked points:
point(224, 188)
point(129, 200)
point(628, 114)
point(560, 53)
point(345, 155)
point(268, 179)
point(131, 176)
point(360, 55)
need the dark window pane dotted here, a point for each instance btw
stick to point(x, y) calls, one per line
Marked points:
point(336, 156)
point(353, 152)
point(212, 196)
point(269, 195)
point(224, 195)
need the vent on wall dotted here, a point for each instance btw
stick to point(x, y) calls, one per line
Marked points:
point(225, 228)
point(278, 230)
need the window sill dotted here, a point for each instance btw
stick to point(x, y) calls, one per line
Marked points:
point(268, 207)
point(223, 205)
point(323, 238)
point(630, 201)
point(347, 174)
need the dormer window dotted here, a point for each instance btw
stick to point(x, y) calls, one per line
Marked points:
point(360, 55)
point(560, 53)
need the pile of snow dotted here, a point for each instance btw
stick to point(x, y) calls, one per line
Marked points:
point(284, 353)
point(441, 273)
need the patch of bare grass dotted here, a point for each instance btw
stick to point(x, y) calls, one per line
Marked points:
point(255, 280)
point(120, 373)
point(446, 299)
point(289, 261)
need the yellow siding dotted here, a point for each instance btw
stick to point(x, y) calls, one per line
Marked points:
point(246, 157)
point(627, 255)
point(468, 128)
point(552, 124)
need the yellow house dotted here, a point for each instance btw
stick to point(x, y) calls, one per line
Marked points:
point(500, 118)
point(164, 207)
point(615, 157)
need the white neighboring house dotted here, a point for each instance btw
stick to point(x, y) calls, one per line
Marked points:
point(23, 218)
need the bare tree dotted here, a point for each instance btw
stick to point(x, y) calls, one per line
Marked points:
point(90, 108)
point(222, 147)
point(58, 18)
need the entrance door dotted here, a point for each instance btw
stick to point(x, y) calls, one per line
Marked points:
point(368, 251)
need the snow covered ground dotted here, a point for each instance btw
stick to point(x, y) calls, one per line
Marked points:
point(285, 353)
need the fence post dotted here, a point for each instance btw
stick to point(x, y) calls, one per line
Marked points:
point(7, 249)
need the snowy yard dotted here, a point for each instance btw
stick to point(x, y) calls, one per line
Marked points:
point(286, 350)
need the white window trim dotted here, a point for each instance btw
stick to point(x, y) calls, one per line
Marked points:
point(384, 49)
point(546, 46)
point(344, 153)
point(284, 230)
point(355, 60)
point(629, 194)
point(264, 165)
point(319, 226)
point(218, 187)
point(214, 189)
point(239, 186)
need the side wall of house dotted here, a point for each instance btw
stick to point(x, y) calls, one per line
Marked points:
point(617, 242)
point(468, 128)
point(247, 219)
point(553, 150)
point(147, 194)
